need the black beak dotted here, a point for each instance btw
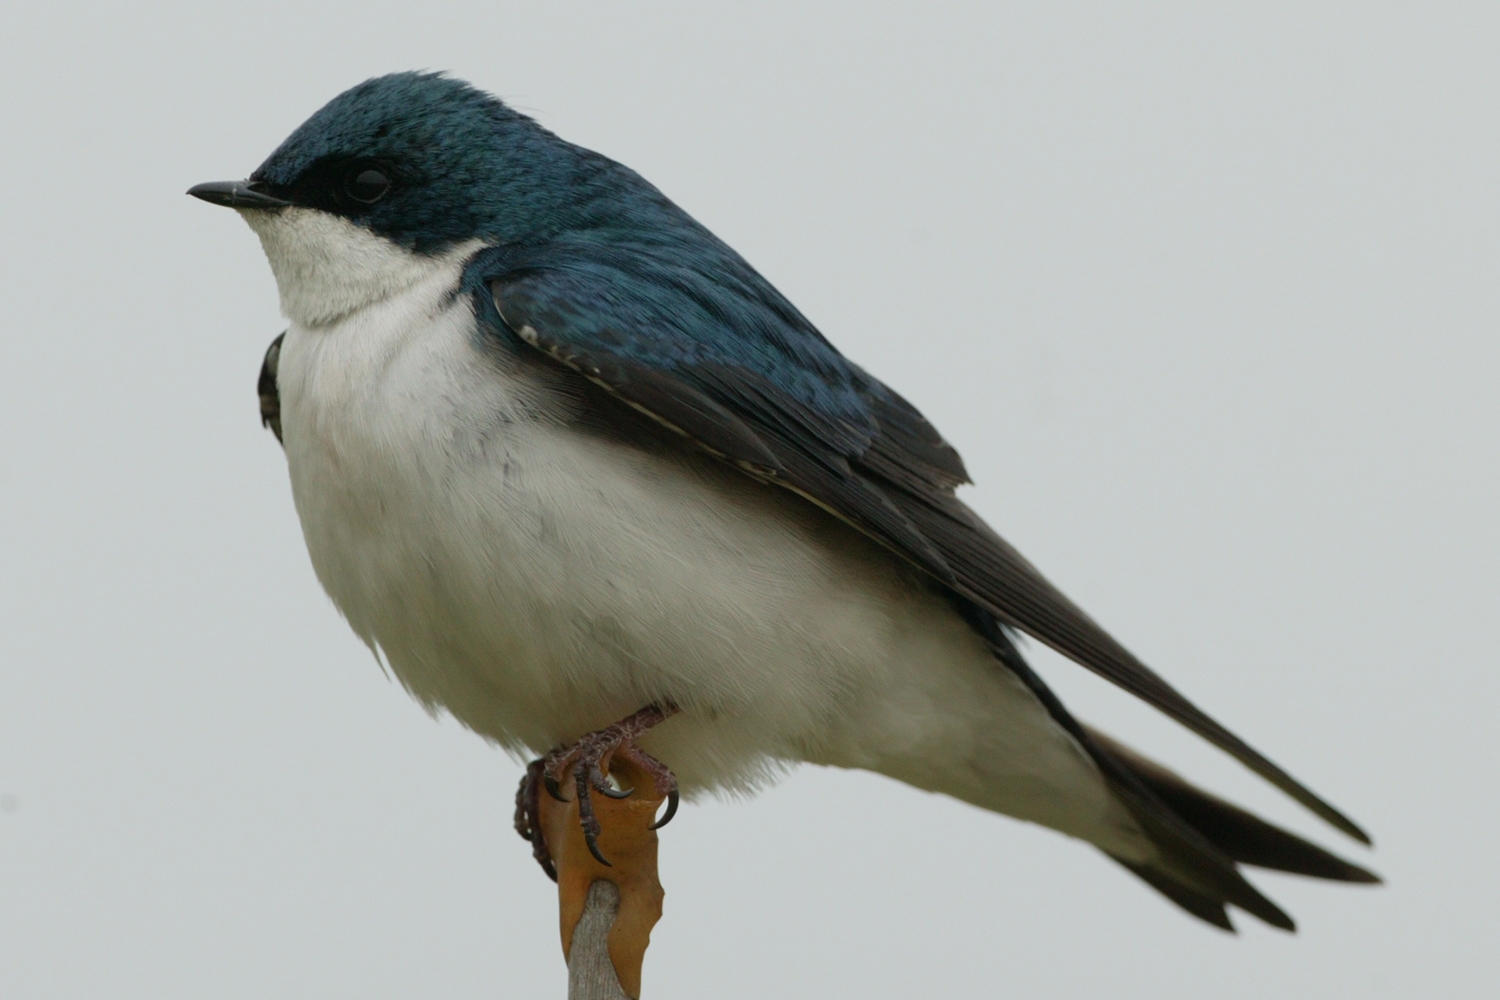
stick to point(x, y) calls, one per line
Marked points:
point(236, 194)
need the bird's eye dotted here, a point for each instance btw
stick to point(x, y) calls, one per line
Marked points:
point(367, 185)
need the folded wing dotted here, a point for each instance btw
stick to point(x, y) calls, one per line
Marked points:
point(716, 354)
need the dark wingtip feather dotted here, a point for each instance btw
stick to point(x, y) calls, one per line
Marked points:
point(1340, 822)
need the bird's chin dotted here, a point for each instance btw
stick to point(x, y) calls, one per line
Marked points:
point(327, 267)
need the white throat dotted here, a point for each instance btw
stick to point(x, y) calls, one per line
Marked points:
point(326, 267)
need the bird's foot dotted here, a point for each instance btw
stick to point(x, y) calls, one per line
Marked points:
point(587, 762)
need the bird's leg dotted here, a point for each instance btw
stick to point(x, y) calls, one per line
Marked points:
point(587, 763)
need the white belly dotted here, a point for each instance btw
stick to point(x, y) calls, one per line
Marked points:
point(538, 581)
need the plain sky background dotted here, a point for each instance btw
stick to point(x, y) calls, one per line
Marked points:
point(1206, 296)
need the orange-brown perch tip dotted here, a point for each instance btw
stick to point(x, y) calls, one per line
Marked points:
point(627, 840)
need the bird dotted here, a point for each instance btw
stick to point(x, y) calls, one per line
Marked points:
point(585, 480)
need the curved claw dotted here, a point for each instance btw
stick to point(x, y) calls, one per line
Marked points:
point(588, 839)
point(603, 785)
point(553, 788)
point(586, 817)
point(666, 817)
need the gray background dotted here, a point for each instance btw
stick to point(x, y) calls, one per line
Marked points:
point(1206, 297)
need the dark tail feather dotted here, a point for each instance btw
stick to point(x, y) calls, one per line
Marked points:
point(1200, 905)
point(1199, 839)
point(1202, 877)
point(1239, 835)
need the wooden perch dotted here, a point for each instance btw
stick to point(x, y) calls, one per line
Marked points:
point(591, 975)
point(606, 911)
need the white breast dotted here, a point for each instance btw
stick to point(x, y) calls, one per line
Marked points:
point(538, 580)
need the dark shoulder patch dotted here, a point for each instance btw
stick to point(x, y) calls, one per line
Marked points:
point(270, 395)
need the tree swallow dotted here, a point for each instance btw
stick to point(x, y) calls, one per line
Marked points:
point(562, 457)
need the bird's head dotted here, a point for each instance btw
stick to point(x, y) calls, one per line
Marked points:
point(401, 171)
